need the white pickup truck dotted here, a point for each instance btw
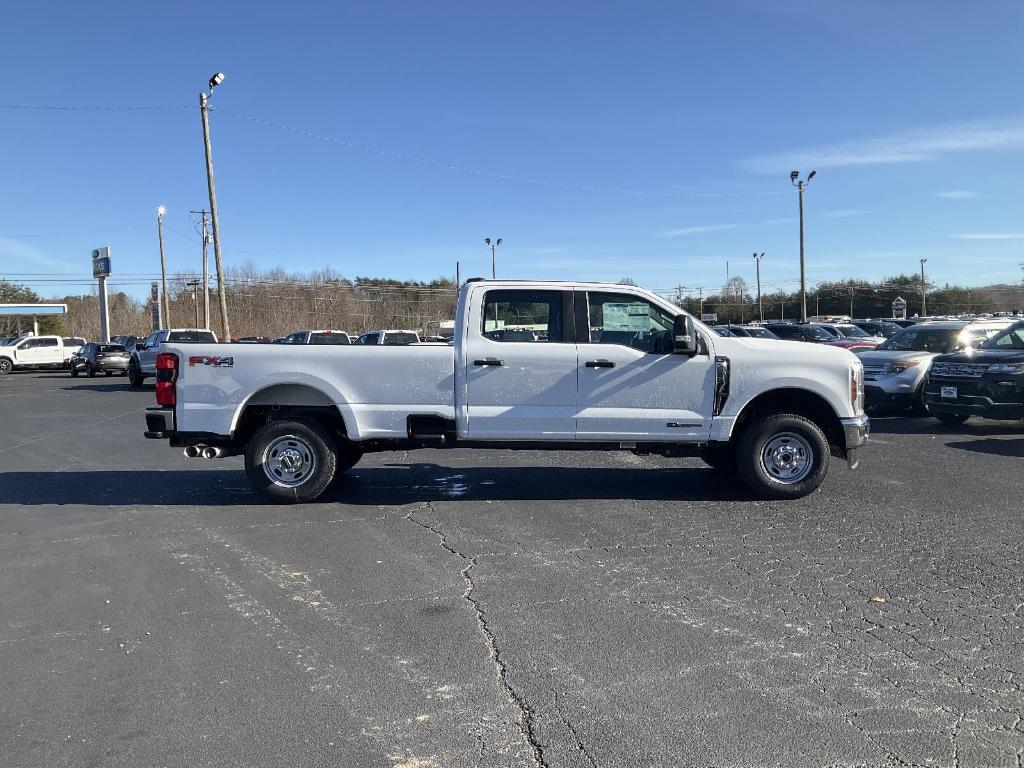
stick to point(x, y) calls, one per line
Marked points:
point(604, 367)
point(38, 352)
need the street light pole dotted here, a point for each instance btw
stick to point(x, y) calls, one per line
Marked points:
point(494, 257)
point(924, 291)
point(794, 178)
point(163, 267)
point(204, 109)
point(194, 285)
point(760, 308)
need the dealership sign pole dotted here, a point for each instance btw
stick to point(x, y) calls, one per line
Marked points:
point(101, 271)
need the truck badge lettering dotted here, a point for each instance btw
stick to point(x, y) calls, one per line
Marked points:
point(217, 362)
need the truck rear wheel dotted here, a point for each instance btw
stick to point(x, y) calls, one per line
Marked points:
point(783, 456)
point(289, 462)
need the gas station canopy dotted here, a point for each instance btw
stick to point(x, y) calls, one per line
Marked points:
point(33, 309)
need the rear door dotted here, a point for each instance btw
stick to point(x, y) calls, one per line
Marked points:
point(525, 387)
point(631, 386)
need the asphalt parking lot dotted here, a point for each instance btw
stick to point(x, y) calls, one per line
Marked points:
point(456, 608)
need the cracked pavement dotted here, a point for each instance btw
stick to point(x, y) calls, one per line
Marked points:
point(458, 608)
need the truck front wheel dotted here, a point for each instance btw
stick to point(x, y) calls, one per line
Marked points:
point(783, 456)
point(135, 377)
point(289, 462)
point(6, 366)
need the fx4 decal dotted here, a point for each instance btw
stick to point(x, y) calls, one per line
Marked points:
point(219, 362)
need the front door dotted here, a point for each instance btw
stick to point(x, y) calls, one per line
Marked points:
point(521, 365)
point(631, 386)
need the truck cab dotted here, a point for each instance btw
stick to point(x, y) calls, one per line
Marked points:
point(143, 360)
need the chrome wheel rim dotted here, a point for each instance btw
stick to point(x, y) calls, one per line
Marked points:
point(787, 458)
point(289, 461)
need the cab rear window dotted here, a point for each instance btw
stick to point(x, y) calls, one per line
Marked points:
point(192, 337)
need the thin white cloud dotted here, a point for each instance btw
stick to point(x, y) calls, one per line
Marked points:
point(696, 230)
point(909, 147)
point(22, 254)
point(957, 194)
point(843, 214)
point(991, 236)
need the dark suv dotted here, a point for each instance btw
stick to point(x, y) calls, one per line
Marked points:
point(985, 381)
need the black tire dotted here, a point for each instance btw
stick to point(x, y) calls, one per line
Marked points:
point(721, 458)
point(290, 462)
point(920, 407)
point(783, 456)
point(74, 372)
point(6, 366)
point(134, 376)
point(952, 420)
point(90, 371)
point(347, 457)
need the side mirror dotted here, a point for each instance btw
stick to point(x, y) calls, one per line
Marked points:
point(684, 336)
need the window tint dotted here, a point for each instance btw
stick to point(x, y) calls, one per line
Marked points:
point(817, 333)
point(399, 339)
point(369, 338)
point(761, 333)
point(328, 338)
point(630, 321)
point(851, 331)
point(528, 316)
point(192, 337)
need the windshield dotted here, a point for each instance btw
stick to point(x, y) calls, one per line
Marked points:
point(853, 331)
point(760, 333)
point(820, 333)
point(938, 340)
point(1011, 338)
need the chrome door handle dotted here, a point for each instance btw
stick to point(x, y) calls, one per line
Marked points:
point(599, 364)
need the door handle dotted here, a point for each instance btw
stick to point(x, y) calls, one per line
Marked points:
point(599, 364)
point(489, 361)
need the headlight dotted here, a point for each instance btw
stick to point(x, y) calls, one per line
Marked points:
point(1006, 368)
point(899, 366)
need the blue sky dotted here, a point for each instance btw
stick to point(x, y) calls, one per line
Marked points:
point(600, 140)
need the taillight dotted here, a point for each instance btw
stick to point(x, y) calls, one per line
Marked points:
point(166, 376)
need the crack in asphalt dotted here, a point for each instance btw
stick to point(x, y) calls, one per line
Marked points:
point(525, 716)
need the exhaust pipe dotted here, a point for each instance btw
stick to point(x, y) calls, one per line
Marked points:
point(212, 453)
point(192, 451)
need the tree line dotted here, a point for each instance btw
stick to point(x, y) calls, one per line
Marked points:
point(737, 301)
point(275, 302)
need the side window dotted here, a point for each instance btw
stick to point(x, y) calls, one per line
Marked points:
point(630, 321)
point(46, 343)
point(523, 316)
point(371, 339)
point(30, 344)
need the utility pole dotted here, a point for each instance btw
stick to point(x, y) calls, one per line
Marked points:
point(701, 294)
point(760, 307)
point(794, 178)
point(166, 303)
point(924, 292)
point(205, 235)
point(458, 275)
point(494, 257)
point(194, 285)
point(851, 302)
point(204, 109)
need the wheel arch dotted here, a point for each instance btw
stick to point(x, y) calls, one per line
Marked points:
point(796, 400)
point(288, 400)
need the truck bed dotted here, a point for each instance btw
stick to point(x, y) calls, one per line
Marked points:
point(374, 388)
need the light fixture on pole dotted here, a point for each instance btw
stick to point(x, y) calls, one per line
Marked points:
point(494, 258)
point(164, 301)
point(760, 308)
point(204, 109)
point(796, 181)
